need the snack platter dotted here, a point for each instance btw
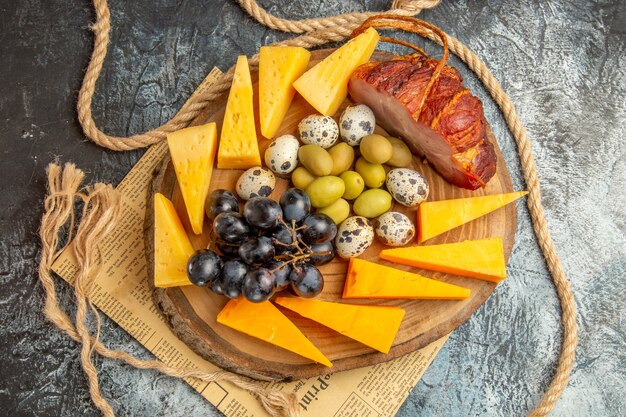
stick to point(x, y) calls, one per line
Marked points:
point(192, 311)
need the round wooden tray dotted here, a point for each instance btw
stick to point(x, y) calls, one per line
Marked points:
point(191, 311)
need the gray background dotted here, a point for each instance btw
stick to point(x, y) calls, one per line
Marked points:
point(563, 64)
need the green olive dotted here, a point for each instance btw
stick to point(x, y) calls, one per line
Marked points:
point(301, 178)
point(401, 155)
point(354, 184)
point(372, 203)
point(373, 174)
point(343, 157)
point(338, 211)
point(324, 191)
point(376, 149)
point(315, 159)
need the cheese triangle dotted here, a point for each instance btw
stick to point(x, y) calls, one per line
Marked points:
point(482, 259)
point(370, 280)
point(264, 321)
point(279, 67)
point(437, 217)
point(374, 326)
point(325, 86)
point(239, 148)
point(193, 152)
point(172, 248)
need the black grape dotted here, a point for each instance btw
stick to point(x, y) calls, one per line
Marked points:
point(318, 228)
point(204, 267)
point(257, 250)
point(262, 213)
point(306, 280)
point(221, 201)
point(231, 227)
point(216, 286)
point(295, 204)
point(258, 285)
point(317, 248)
point(233, 274)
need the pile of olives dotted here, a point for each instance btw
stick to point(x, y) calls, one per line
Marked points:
point(350, 172)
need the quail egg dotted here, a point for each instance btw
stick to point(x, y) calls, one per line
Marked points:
point(394, 229)
point(255, 182)
point(355, 123)
point(282, 154)
point(354, 235)
point(318, 130)
point(407, 186)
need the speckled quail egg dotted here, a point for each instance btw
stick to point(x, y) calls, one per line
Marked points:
point(407, 186)
point(394, 229)
point(282, 154)
point(255, 182)
point(316, 129)
point(354, 235)
point(355, 123)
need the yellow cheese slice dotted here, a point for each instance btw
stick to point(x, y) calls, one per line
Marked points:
point(239, 148)
point(369, 280)
point(437, 217)
point(264, 321)
point(374, 326)
point(193, 152)
point(325, 86)
point(279, 67)
point(482, 259)
point(172, 248)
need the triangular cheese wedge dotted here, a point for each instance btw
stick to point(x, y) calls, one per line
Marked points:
point(369, 280)
point(264, 321)
point(193, 152)
point(437, 217)
point(325, 86)
point(279, 67)
point(172, 248)
point(239, 148)
point(374, 326)
point(482, 259)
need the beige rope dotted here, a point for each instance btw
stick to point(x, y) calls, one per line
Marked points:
point(334, 23)
point(100, 213)
point(63, 191)
point(540, 226)
point(320, 31)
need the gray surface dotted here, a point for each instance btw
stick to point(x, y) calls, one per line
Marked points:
point(563, 64)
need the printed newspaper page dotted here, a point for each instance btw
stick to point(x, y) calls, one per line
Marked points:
point(122, 293)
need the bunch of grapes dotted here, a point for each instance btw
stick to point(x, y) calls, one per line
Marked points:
point(267, 248)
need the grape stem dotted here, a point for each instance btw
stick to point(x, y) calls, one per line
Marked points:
point(296, 258)
point(212, 240)
point(302, 253)
point(294, 237)
point(278, 242)
point(305, 245)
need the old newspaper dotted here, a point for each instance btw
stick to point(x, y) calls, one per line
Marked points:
point(122, 293)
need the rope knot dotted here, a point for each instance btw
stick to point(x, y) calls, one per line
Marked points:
point(412, 7)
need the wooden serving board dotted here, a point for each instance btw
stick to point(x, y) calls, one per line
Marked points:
point(191, 311)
